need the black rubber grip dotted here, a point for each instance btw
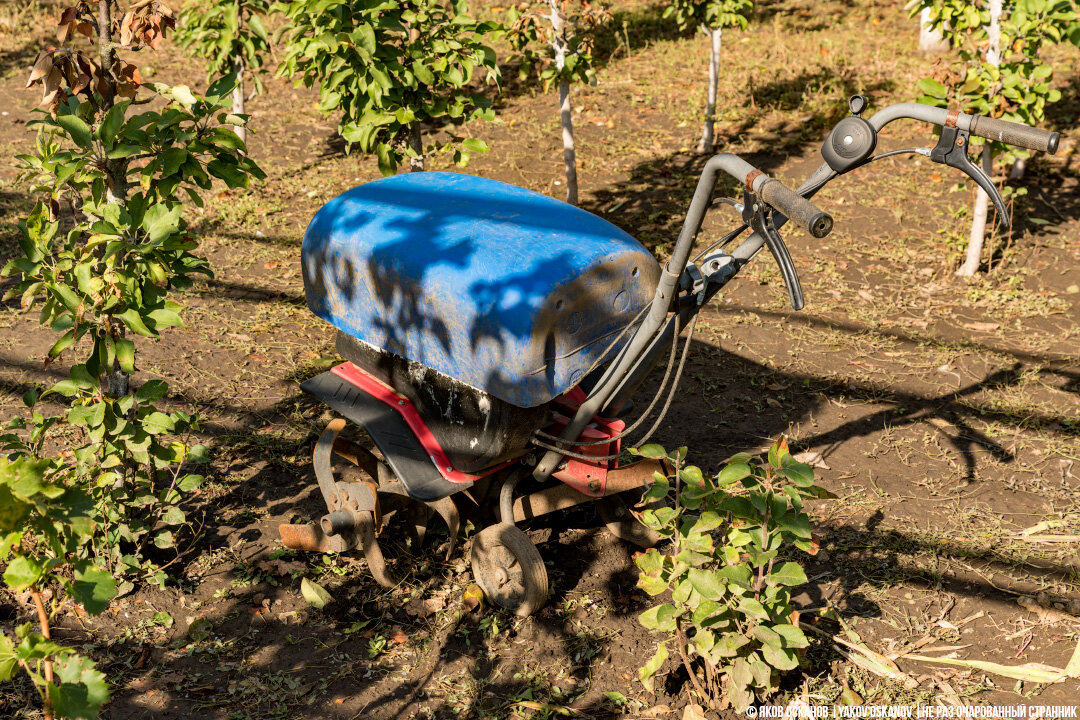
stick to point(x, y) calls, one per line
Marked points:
point(1016, 134)
point(796, 207)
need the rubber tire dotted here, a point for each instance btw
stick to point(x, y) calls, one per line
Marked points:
point(533, 571)
point(622, 524)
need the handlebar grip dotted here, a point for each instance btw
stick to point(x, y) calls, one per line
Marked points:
point(1017, 134)
point(796, 207)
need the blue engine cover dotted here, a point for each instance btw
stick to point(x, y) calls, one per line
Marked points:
point(504, 289)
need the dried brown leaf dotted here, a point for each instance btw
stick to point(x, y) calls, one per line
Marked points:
point(42, 66)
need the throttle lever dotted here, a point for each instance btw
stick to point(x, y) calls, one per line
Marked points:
point(760, 220)
point(951, 150)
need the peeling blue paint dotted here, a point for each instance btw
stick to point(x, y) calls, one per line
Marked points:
point(507, 290)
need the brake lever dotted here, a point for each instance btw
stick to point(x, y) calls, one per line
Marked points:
point(951, 150)
point(760, 220)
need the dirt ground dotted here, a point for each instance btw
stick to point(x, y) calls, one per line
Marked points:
point(944, 413)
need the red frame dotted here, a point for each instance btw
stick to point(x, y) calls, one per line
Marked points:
point(381, 391)
point(589, 478)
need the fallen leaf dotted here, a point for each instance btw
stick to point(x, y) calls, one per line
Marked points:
point(424, 607)
point(315, 594)
point(473, 597)
point(1045, 614)
point(693, 712)
point(982, 326)
point(812, 458)
point(399, 636)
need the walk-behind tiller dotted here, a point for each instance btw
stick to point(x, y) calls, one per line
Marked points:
point(493, 338)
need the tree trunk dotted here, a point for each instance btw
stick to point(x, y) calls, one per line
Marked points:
point(569, 156)
point(116, 381)
point(982, 200)
point(1018, 169)
point(560, 45)
point(707, 141)
point(106, 52)
point(978, 224)
point(931, 41)
point(416, 143)
point(238, 96)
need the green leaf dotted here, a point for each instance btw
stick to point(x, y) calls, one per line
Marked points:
point(315, 594)
point(789, 573)
point(187, 483)
point(82, 689)
point(653, 665)
point(650, 561)
point(792, 636)
point(162, 220)
point(67, 297)
point(173, 516)
point(779, 658)
point(475, 145)
point(233, 176)
point(134, 321)
point(729, 645)
point(797, 472)
point(660, 617)
point(22, 572)
point(732, 473)
point(932, 88)
point(77, 129)
point(9, 662)
point(707, 583)
point(112, 122)
point(652, 450)
point(13, 511)
point(422, 73)
point(125, 355)
point(94, 588)
point(753, 608)
point(182, 94)
point(151, 391)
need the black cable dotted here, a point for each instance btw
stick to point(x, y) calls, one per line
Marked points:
point(674, 385)
point(641, 419)
point(656, 425)
point(722, 241)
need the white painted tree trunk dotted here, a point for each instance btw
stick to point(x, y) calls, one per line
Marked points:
point(931, 41)
point(707, 135)
point(560, 46)
point(1018, 169)
point(569, 155)
point(238, 96)
point(982, 200)
point(416, 143)
point(978, 228)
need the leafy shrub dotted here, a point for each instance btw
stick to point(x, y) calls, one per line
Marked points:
point(44, 521)
point(730, 611)
point(390, 67)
